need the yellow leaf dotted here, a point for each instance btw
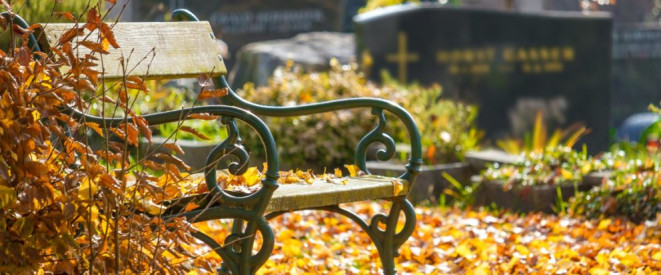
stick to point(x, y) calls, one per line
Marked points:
point(88, 189)
point(482, 269)
point(464, 250)
point(338, 172)
point(152, 208)
point(252, 176)
point(522, 250)
point(657, 256)
point(397, 186)
point(291, 247)
point(603, 224)
point(353, 170)
point(599, 271)
point(7, 197)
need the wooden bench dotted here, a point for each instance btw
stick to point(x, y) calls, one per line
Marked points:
point(188, 49)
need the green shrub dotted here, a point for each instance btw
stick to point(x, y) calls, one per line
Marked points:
point(40, 11)
point(328, 138)
point(164, 97)
point(45, 11)
point(447, 127)
point(556, 165)
point(632, 191)
point(331, 138)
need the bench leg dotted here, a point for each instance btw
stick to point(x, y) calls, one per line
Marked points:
point(237, 253)
point(237, 229)
point(388, 241)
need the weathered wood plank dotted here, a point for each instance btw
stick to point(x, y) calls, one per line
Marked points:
point(152, 50)
point(322, 193)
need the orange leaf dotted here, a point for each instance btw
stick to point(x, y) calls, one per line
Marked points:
point(70, 35)
point(110, 182)
point(132, 134)
point(134, 82)
point(431, 151)
point(194, 132)
point(206, 94)
point(92, 74)
point(190, 206)
point(143, 126)
point(66, 14)
point(93, 19)
point(95, 126)
point(172, 159)
point(95, 47)
point(123, 96)
point(108, 34)
point(174, 147)
point(204, 116)
point(36, 168)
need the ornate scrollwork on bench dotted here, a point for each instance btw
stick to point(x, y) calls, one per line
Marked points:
point(375, 136)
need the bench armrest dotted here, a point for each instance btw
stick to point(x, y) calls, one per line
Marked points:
point(229, 146)
point(376, 135)
point(378, 106)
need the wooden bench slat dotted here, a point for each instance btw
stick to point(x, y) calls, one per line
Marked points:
point(322, 193)
point(297, 196)
point(179, 49)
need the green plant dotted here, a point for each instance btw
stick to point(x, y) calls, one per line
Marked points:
point(538, 140)
point(464, 195)
point(39, 11)
point(557, 165)
point(651, 136)
point(632, 190)
point(447, 127)
point(329, 138)
point(635, 196)
point(163, 97)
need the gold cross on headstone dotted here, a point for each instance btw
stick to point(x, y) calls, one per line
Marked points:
point(402, 57)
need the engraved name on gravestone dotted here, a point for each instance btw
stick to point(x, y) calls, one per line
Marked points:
point(239, 22)
point(510, 64)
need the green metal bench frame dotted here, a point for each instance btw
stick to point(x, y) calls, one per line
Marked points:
point(251, 212)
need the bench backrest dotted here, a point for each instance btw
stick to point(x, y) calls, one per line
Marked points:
point(179, 49)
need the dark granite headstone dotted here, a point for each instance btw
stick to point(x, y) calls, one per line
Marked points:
point(239, 22)
point(636, 69)
point(510, 64)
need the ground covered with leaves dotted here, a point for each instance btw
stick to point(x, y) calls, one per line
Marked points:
point(448, 241)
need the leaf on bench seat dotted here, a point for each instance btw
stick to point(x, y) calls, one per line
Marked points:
point(397, 186)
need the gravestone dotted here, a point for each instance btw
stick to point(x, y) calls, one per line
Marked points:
point(636, 69)
point(239, 22)
point(510, 64)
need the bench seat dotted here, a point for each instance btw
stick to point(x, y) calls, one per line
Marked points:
point(296, 196)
